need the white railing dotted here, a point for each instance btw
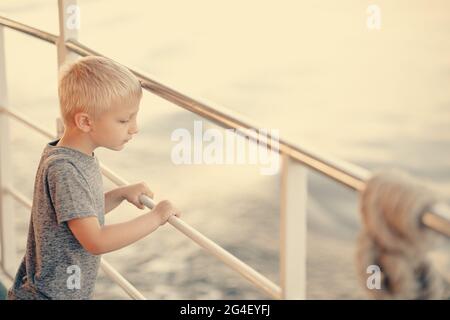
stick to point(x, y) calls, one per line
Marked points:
point(293, 198)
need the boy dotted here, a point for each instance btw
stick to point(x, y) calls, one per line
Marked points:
point(99, 102)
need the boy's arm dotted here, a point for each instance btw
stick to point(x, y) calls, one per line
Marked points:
point(98, 240)
point(130, 193)
point(112, 199)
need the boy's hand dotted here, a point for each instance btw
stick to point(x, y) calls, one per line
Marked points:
point(164, 210)
point(132, 192)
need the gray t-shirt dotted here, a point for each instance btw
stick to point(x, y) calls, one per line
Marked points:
point(68, 185)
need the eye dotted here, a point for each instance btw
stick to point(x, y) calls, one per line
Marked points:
point(123, 121)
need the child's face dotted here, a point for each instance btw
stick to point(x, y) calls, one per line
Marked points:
point(115, 127)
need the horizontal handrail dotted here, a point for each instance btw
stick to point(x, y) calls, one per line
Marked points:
point(343, 172)
point(237, 265)
point(15, 25)
point(112, 273)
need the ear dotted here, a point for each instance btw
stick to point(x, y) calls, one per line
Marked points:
point(83, 121)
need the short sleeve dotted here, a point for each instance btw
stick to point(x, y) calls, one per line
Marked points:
point(69, 191)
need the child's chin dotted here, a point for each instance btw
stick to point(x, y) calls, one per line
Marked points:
point(117, 148)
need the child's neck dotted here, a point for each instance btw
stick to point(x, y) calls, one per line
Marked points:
point(78, 141)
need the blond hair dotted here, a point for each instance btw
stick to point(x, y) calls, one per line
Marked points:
point(93, 84)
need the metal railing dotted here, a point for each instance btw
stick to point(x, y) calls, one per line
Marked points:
point(295, 162)
point(182, 226)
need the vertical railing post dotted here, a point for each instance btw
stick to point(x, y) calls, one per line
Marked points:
point(7, 221)
point(69, 23)
point(293, 229)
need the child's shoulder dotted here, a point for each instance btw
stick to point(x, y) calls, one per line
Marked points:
point(55, 165)
point(59, 156)
point(56, 161)
point(66, 166)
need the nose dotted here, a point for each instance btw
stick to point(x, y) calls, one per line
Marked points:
point(134, 128)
